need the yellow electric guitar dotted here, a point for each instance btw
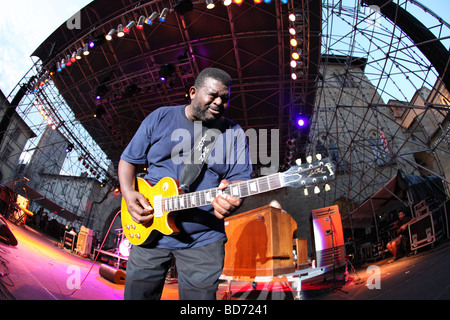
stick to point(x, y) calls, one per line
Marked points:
point(166, 198)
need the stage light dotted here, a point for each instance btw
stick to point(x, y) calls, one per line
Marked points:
point(151, 18)
point(295, 55)
point(238, 2)
point(293, 63)
point(86, 50)
point(267, 1)
point(297, 75)
point(140, 24)
point(293, 42)
point(120, 32)
point(74, 57)
point(292, 17)
point(210, 4)
point(284, 1)
point(69, 61)
point(63, 64)
point(163, 15)
point(110, 34)
point(257, 1)
point(166, 71)
point(227, 2)
point(129, 26)
point(301, 122)
point(79, 53)
point(292, 31)
point(69, 148)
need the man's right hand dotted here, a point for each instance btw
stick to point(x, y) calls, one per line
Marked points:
point(138, 207)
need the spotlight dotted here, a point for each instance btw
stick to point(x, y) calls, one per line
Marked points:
point(238, 2)
point(210, 4)
point(79, 53)
point(63, 64)
point(284, 1)
point(99, 112)
point(292, 17)
point(140, 24)
point(74, 57)
point(58, 67)
point(129, 26)
point(166, 71)
point(120, 32)
point(227, 2)
point(151, 18)
point(295, 55)
point(110, 34)
point(293, 42)
point(301, 122)
point(69, 60)
point(86, 50)
point(163, 15)
point(69, 147)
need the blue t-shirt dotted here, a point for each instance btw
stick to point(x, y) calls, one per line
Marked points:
point(162, 143)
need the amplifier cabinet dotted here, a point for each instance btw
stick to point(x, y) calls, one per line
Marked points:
point(259, 243)
point(328, 236)
point(84, 242)
point(421, 232)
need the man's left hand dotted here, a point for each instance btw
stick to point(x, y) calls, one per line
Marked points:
point(225, 204)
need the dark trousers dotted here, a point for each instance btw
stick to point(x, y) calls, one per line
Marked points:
point(198, 270)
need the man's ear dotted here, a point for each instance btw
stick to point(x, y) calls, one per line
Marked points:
point(192, 92)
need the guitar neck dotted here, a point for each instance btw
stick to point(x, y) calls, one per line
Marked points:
point(239, 190)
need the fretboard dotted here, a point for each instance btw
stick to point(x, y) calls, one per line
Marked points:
point(239, 190)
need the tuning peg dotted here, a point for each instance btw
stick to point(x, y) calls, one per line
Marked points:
point(305, 192)
point(309, 159)
point(319, 156)
point(298, 162)
point(316, 190)
point(327, 187)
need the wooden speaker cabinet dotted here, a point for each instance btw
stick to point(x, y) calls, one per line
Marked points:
point(259, 243)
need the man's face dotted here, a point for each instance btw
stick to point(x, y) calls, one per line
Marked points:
point(210, 101)
point(401, 215)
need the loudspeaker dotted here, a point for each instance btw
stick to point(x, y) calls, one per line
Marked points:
point(6, 235)
point(112, 274)
point(328, 234)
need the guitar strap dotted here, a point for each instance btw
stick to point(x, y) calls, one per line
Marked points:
point(199, 154)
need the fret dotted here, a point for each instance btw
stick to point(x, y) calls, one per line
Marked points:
point(235, 191)
point(182, 202)
point(193, 200)
point(252, 187)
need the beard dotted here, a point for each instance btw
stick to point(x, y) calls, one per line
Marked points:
point(205, 115)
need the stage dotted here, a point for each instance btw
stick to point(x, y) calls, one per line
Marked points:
point(38, 269)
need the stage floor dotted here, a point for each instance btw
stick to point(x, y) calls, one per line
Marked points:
point(38, 269)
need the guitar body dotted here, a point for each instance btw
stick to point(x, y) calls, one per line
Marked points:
point(162, 222)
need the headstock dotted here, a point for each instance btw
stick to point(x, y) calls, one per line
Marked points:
point(311, 173)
